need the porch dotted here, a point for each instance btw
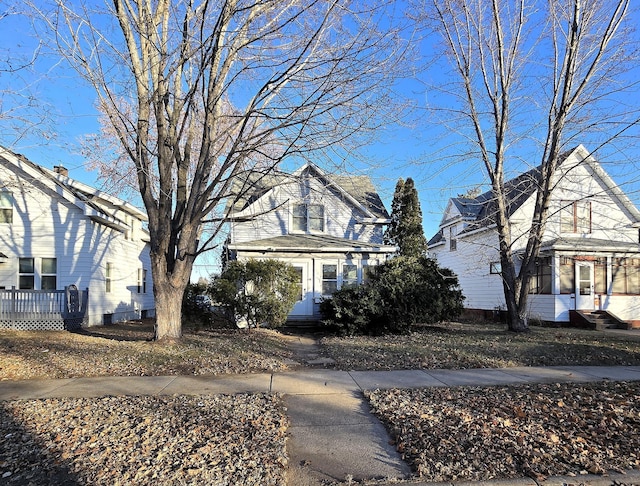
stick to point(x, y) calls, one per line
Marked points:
point(43, 310)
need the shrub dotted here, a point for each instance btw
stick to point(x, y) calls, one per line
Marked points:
point(262, 292)
point(401, 293)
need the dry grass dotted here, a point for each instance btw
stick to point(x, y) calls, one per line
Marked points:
point(127, 350)
point(460, 346)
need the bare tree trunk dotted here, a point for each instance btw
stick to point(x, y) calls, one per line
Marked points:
point(576, 52)
point(168, 311)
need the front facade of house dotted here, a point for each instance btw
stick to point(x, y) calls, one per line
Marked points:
point(328, 227)
point(56, 232)
point(590, 255)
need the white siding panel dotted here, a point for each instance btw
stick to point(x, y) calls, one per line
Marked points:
point(272, 215)
point(45, 225)
point(471, 263)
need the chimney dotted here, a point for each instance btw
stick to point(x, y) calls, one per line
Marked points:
point(59, 169)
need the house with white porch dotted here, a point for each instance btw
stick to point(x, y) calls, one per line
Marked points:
point(589, 262)
point(328, 227)
point(65, 246)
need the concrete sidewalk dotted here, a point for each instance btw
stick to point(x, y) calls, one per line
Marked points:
point(333, 436)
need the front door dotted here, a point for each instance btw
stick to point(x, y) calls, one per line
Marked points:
point(585, 298)
point(304, 305)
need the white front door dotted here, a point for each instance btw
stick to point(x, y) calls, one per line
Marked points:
point(585, 298)
point(304, 305)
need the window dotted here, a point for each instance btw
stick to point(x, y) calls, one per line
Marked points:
point(329, 279)
point(308, 218)
point(349, 275)
point(48, 277)
point(367, 272)
point(108, 274)
point(575, 217)
point(567, 275)
point(26, 274)
point(541, 280)
point(6, 207)
point(142, 281)
point(453, 243)
point(600, 275)
point(625, 276)
point(495, 268)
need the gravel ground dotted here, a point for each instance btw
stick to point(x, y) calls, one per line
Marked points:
point(194, 440)
point(483, 433)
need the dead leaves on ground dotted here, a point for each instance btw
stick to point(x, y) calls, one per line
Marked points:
point(481, 433)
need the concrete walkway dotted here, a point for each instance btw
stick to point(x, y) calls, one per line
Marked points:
point(333, 436)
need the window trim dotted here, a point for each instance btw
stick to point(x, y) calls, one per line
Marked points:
point(108, 277)
point(31, 274)
point(44, 274)
point(6, 206)
point(570, 210)
point(302, 213)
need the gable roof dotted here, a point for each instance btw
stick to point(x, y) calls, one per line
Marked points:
point(358, 190)
point(480, 211)
point(95, 204)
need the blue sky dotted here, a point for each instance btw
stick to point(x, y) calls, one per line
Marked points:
point(409, 151)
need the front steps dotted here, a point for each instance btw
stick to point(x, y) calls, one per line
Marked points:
point(598, 320)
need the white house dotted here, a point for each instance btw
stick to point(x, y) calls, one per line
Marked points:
point(56, 232)
point(329, 227)
point(590, 255)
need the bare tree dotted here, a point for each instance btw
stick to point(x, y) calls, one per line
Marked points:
point(22, 112)
point(201, 92)
point(536, 73)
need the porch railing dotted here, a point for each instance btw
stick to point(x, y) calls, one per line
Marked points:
point(43, 310)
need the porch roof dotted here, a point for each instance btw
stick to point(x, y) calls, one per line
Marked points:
point(589, 244)
point(311, 243)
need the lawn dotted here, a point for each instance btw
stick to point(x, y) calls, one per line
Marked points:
point(473, 345)
point(126, 350)
point(444, 433)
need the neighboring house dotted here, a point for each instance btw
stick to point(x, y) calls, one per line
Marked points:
point(590, 254)
point(328, 227)
point(56, 232)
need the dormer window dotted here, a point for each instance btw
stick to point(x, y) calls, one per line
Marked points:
point(308, 218)
point(453, 243)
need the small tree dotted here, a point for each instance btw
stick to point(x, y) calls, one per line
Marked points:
point(258, 291)
point(405, 229)
point(402, 293)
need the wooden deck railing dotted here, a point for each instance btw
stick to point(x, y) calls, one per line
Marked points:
point(43, 309)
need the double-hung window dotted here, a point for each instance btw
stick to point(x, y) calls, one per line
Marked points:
point(40, 273)
point(26, 274)
point(6, 207)
point(48, 275)
point(308, 218)
point(575, 217)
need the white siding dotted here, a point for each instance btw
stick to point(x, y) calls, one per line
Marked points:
point(612, 219)
point(471, 263)
point(47, 226)
point(341, 217)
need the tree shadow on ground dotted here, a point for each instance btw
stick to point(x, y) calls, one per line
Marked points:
point(26, 459)
point(123, 331)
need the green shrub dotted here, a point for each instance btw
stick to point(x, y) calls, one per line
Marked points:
point(260, 292)
point(401, 293)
